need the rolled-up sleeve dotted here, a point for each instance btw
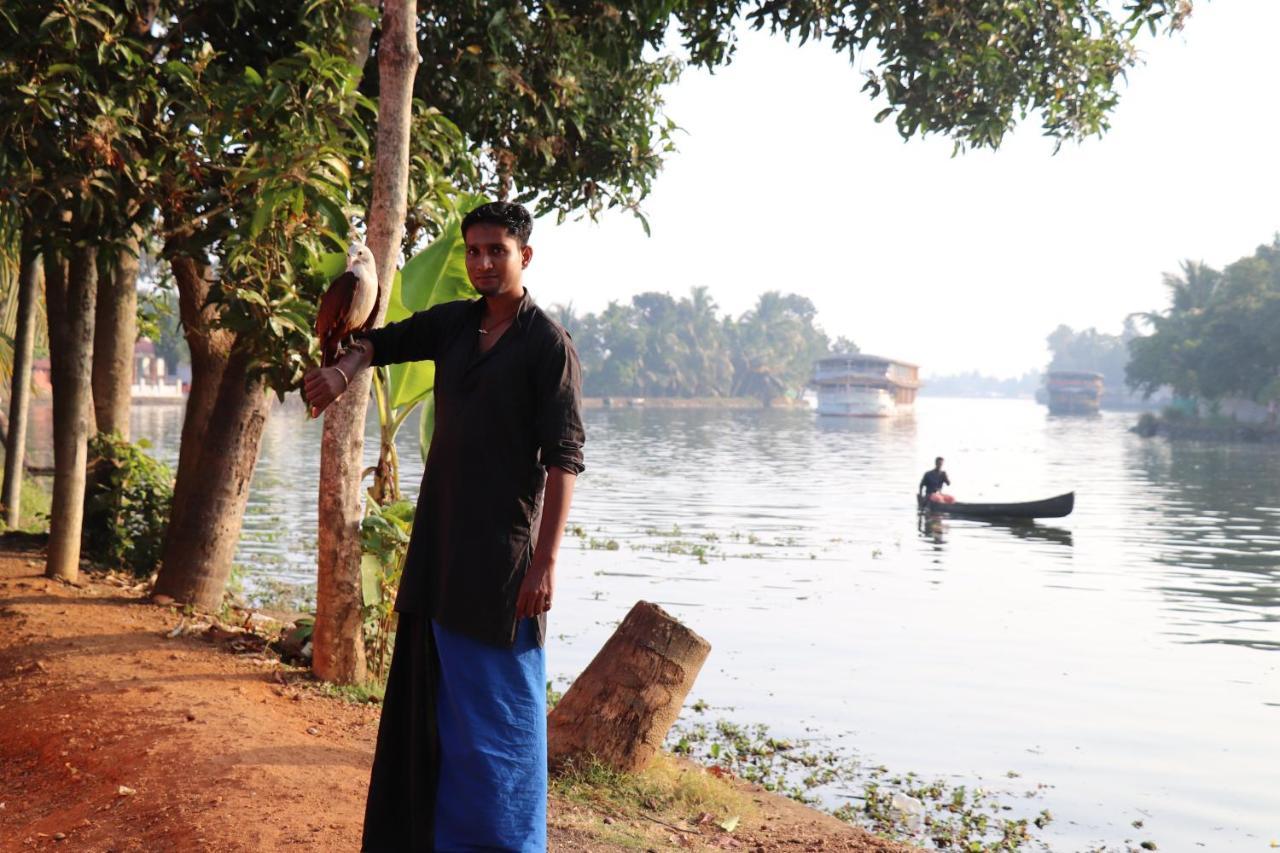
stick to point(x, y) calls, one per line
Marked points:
point(558, 425)
point(415, 338)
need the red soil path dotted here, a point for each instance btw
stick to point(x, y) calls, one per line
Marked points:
point(116, 737)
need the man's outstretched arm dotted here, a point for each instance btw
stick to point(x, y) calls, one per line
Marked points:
point(323, 385)
point(415, 338)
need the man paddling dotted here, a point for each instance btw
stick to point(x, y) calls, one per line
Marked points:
point(932, 482)
point(461, 760)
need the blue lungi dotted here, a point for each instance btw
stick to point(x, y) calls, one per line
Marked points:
point(491, 716)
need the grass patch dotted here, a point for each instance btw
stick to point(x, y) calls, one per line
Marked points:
point(669, 791)
point(371, 692)
point(35, 502)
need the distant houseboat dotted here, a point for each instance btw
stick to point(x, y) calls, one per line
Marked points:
point(1073, 392)
point(151, 381)
point(865, 386)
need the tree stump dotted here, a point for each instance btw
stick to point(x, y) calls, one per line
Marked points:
point(621, 707)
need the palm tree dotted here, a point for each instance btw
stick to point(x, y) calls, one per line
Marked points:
point(1193, 290)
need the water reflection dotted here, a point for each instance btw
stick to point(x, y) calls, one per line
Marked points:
point(1216, 524)
point(935, 528)
point(1102, 654)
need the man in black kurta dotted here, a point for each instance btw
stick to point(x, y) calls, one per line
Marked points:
point(480, 562)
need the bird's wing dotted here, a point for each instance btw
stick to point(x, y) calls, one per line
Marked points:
point(330, 319)
point(369, 288)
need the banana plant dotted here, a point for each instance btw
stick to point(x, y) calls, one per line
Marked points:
point(434, 275)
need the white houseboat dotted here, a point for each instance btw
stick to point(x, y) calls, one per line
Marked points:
point(865, 386)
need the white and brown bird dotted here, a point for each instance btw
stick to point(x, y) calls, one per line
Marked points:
point(348, 305)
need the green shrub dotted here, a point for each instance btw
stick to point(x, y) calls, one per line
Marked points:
point(384, 540)
point(127, 503)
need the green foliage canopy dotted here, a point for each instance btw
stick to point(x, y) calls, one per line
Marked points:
point(244, 125)
point(1217, 337)
point(973, 69)
point(77, 89)
point(562, 103)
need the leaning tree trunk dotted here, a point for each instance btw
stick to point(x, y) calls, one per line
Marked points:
point(209, 503)
point(338, 640)
point(221, 434)
point(210, 347)
point(619, 710)
point(24, 340)
point(115, 331)
point(71, 292)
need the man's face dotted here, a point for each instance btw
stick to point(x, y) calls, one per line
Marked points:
point(495, 259)
point(938, 465)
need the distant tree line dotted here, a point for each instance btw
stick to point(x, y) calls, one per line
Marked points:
point(1217, 337)
point(659, 346)
point(975, 384)
point(1091, 350)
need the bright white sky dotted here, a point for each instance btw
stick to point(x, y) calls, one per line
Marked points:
point(783, 181)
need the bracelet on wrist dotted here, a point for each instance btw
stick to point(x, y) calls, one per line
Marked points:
point(346, 380)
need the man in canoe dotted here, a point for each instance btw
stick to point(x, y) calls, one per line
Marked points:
point(932, 482)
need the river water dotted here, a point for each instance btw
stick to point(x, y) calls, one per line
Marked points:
point(1125, 657)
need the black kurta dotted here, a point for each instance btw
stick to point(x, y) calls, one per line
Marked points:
point(502, 417)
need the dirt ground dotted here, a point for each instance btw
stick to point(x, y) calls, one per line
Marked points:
point(116, 736)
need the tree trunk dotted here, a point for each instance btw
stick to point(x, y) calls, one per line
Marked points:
point(338, 639)
point(359, 27)
point(210, 495)
point(115, 331)
point(29, 285)
point(621, 707)
point(71, 293)
point(210, 348)
point(221, 433)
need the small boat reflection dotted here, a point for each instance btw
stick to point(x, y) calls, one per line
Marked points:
point(935, 528)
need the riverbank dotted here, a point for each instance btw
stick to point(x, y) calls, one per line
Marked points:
point(718, 403)
point(124, 732)
point(1184, 428)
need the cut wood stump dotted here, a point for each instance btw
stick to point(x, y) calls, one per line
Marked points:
point(621, 707)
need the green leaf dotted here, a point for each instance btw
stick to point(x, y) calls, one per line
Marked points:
point(262, 215)
point(333, 215)
point(435, 275)
point(370, 579)
point(278, 94)
point(411, 382)
point(426, 426)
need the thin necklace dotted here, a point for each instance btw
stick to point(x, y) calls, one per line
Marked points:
point(501, 322)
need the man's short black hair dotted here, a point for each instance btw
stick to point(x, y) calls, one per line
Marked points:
point(509, 215)
point(938, 461)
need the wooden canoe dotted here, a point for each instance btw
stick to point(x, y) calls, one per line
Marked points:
point(1056, 507)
